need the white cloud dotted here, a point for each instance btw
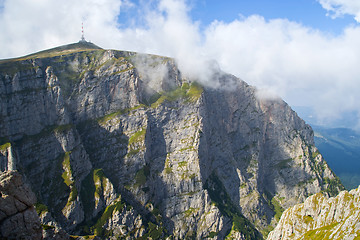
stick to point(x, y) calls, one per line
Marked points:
point(30, 25)
point(304, 66)
point(338, 8)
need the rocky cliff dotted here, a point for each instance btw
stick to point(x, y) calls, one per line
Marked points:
point(321, 217)
point(120, 144)
point(18, 218)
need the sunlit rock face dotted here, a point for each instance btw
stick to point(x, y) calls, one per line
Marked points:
point(121, 144)
point(321, 217)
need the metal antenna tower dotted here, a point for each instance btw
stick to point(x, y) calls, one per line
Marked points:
point(82, 33)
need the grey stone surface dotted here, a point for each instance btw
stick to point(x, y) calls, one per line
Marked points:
point(321, 217)
point(88, 128)
point(18, 218)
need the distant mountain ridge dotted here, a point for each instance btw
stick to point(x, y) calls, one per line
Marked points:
point(121, 145)
point(341, 149)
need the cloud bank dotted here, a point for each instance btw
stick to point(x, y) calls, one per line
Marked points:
point(305, 66)
point(337, 8)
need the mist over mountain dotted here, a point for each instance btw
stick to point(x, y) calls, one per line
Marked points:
point(347, 119)
point(120, 144)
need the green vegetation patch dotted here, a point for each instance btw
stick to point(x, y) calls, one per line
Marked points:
point(67, 170)
point(159, 101)
point(277, 208)
point(334, 186)
point(308, 219)
point(223, 202)
point(138, 136)
point(103, 120)
point(67, 177)
point(5, 146)
point(315, 154)
point(141, 176)
point(182, 164)
point(58, 51)
point(92, 188)
point(12, 67)
point(124, 70)
point(155, 231)
point(54, 186)
point(274, 205)
point(168, 170)
point(41, 208)
point(265, 232)
point(117, 206)
point(99, 182)
point(99, 177)
point(132, 152)
point(73, 194)
point(190, 93)
point(195, 91)
point(189, 148)
point(322, 233)
point(190, 212)
point(47, 227)
point(134, 140)
point(284, 163)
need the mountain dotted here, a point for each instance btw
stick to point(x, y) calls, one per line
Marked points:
point(18, 218)
point(61, 50)
point(122, 145)
point(321, 217)
point(341, 149)
point(339, 145)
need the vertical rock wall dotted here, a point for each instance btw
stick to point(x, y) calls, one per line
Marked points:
point(119, 144)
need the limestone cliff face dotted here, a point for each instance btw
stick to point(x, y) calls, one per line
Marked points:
point(18, 218)
point(321, 217)
point(120, 144)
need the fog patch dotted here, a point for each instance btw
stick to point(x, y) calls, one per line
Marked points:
point(153, 70)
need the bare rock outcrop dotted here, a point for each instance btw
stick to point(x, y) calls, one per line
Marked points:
point(321, 217)
point(18, 218)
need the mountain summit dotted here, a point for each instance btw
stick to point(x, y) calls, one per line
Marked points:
point(65, 49)
point(120, 145)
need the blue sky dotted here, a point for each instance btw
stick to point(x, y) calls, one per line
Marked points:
point(305, 51)
point(307, 12)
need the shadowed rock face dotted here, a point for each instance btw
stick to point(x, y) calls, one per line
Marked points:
point(18, 218)
point(120, 144)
